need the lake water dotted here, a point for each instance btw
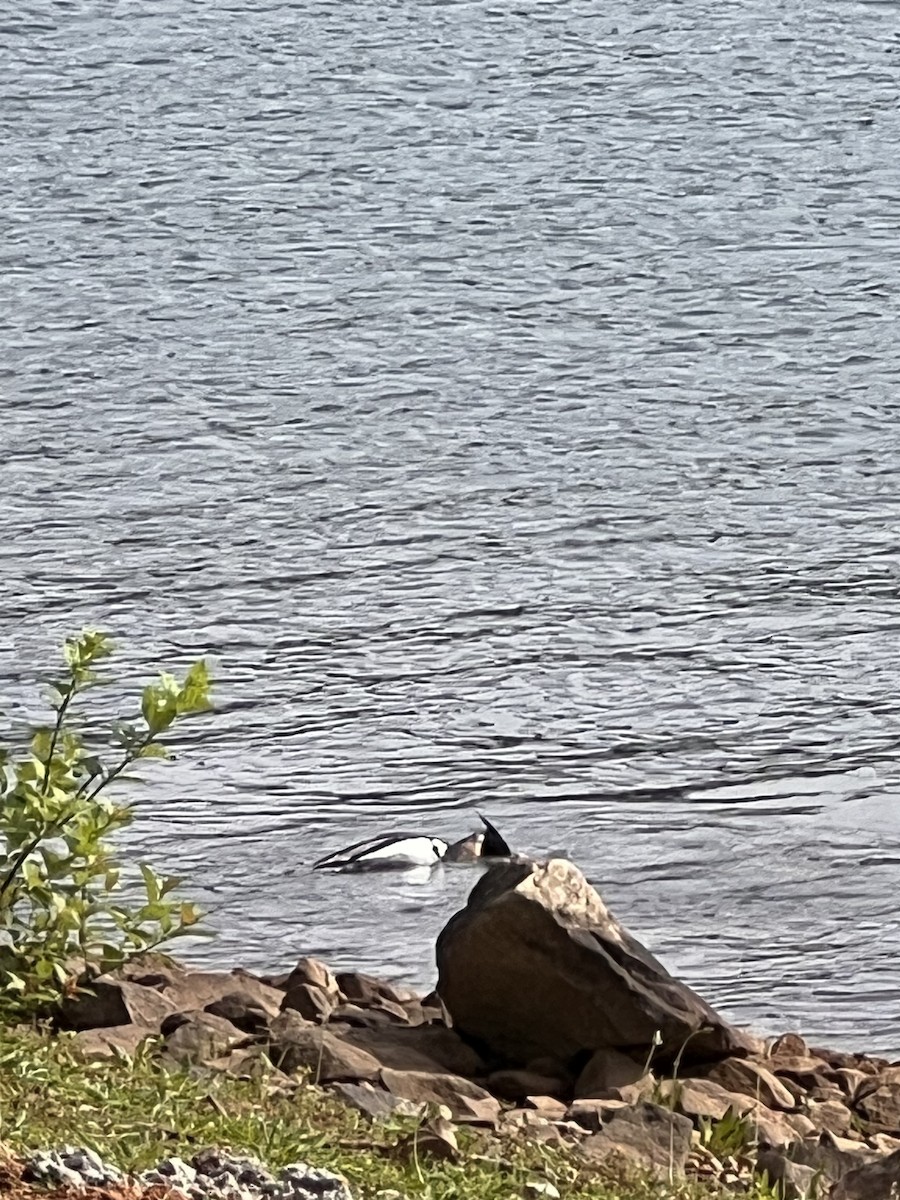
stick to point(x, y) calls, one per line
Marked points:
point(507, 400)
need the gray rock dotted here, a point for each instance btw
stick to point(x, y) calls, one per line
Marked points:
point(540, 1189)
point(871, 1181)
point(795, 1181)
point(465, 1100)
point(302, 1182)
point(375, 1103)
point(212, 1175)
point(71, 1166)
point(652, 1138)
point(297, 1045)
point(171, 1172)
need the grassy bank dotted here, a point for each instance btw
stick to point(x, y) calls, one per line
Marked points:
point(135, 1113)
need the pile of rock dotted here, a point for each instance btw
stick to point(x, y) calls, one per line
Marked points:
point(209, 1175)
point(550, 1022)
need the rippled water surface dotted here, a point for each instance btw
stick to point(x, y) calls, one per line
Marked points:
point(506, 398)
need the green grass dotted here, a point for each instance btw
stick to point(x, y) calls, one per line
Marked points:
point(134, 1113)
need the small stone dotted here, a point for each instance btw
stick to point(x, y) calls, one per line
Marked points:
point(49, 1168)
point(376, 1103)
point(297, 1045)
point(302, 1182)
point(244, 1010)
point(831, 1115)
point(113, 1042)
point(365, 989)
point(436, 1138)
point(788, 1044)
point(884, 1143)
point(313, 972)
point(540, 1189)
point(547, 1106)
point(312, 1003)
point(752, 1079)
point(702, 1098)
point(591, 1114)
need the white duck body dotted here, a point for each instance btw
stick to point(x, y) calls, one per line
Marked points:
point(384, 853)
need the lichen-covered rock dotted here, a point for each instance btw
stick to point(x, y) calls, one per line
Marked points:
point(71, 1166)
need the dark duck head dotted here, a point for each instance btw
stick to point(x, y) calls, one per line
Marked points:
point(479, 845)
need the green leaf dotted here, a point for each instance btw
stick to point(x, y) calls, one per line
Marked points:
point(59, 873)
point(151, 883)
point(194, 694)
point(153, 750)
point(159, 708)
point(40, 743)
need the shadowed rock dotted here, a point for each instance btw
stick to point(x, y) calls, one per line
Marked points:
point(646, 1136)
point(536, 965)
point(148, 989)
point(871, 1181)
point(465, 1100)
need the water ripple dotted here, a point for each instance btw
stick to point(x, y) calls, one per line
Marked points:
point(507, 400)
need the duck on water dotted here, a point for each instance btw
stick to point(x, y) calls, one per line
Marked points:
point(415, 850)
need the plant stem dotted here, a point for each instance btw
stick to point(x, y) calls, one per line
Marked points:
point(57, 730)
point(131, 756)
point(29, 847)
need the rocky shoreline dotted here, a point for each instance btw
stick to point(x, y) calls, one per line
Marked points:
point(549, 1022)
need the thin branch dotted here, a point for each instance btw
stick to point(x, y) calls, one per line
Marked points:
point(31, 846)
point(131, 756)
point(57, 730)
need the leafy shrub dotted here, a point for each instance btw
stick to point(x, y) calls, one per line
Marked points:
point(61, 907)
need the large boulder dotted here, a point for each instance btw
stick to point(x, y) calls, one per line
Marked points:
point(536, 965)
